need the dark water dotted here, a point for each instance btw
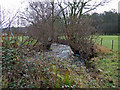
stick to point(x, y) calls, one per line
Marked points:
point(79, 61)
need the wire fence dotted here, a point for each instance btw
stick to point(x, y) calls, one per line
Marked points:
point(111, 44)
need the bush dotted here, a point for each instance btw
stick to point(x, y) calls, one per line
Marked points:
point(21, 71)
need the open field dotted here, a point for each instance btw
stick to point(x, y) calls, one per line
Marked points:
point(22, 40)
point(107, 41)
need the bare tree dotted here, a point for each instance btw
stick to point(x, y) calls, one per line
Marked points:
point(41, 16)
point(7, 20)
point(78, 29)
point(77, 26)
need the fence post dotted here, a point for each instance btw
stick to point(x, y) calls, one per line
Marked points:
point(101, 41)
point(22, 37)
point(112, 44)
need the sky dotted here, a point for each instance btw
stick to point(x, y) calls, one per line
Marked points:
point(112, 5)
point(12, 6)
point(21, 4)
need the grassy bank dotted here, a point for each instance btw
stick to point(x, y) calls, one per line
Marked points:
point(106, 67)
point(22, 71)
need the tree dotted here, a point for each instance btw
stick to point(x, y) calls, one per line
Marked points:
point(106, 22)
point(41, 16)
point(76, 24)
point(78, 29)
point(110, 22)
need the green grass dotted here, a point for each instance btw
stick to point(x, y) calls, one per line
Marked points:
point(20, 40)
point(107, 41)
point(108, 64)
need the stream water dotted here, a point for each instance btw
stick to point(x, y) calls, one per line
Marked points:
point(64, 52)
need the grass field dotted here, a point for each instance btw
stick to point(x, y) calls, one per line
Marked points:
point(107, 41)
point(22, 39)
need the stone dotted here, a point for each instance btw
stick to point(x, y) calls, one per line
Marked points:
point(61, 51)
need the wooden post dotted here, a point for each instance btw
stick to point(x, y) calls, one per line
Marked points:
point(9, 30)
point(112, 44)
point(22, 37)
point(18, 29)
point(101, 41)
point(18, 34)
point(16, 41)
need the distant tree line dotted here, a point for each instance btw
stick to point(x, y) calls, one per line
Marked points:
point(107, 22)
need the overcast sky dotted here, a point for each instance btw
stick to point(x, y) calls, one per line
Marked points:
point(15, 4)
